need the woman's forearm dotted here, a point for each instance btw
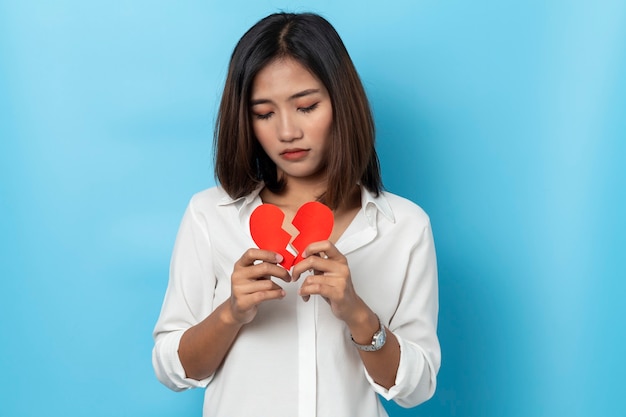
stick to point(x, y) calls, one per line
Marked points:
point(382, 365)
point(204, 346)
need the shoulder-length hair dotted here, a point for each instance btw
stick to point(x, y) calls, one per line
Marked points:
point(241, 164)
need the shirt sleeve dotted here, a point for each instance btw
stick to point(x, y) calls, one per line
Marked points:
point(415, 326)
point(188, 300)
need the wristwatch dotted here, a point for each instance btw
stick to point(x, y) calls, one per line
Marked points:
point(378, 340)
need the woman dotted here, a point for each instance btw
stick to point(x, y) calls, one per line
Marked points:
point(358, 315)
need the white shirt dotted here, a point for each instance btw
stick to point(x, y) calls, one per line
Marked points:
point(296, 358)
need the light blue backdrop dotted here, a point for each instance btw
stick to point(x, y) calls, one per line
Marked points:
point(504, 120)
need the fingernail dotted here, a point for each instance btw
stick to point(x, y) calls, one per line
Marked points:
point(279, 258)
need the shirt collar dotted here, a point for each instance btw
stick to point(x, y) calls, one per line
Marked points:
point(241, 201)
point(370, 204)
point(245, 205)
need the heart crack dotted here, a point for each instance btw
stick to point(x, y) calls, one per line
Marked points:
point(313, 220)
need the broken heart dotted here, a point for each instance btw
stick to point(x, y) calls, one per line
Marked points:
point(266, 228)
point(313, 220)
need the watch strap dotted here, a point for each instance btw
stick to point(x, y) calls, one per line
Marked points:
point(378, 340)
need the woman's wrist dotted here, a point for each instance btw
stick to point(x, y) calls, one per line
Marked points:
point(364, 325)
point(226, 316)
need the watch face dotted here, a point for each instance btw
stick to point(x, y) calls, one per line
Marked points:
point(380, 339)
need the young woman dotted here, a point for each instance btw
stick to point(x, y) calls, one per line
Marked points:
point(357, 317)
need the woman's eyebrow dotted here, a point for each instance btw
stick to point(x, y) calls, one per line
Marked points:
point(303, 93)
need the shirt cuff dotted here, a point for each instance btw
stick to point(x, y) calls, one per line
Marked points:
point(408, 376)
point(167, 366)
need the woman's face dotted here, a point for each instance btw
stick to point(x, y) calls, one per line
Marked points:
point(292, 116)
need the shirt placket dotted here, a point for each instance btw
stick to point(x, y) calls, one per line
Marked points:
point(307, 356)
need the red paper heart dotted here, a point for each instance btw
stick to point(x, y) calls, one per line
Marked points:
point(266, 228)
point(313, 220)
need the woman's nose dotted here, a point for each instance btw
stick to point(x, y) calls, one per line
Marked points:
point(288, 129)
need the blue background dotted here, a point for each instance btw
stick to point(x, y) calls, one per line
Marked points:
point(504, 120)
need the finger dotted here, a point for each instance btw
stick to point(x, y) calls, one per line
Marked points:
point(259, 297)
point(314, 263)
point(323, 288)
point(262, 270)
point(322, 280)
point(250, 287)
point(250, 301)
point(325, 248)
point(253, 255)
point(266, 270)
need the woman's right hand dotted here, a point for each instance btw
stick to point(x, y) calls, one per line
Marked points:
point(251, 284)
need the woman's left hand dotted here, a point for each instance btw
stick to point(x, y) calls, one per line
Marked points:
point(331, 280)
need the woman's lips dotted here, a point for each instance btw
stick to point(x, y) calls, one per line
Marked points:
point(294, 154)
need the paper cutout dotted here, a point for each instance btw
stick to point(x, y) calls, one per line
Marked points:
point(266, 228)
point(313, 220)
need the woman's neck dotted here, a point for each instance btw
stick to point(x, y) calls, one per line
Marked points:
point(298, 191)
point(295, 193)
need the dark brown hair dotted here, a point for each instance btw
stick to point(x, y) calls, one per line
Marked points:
point(241, 164)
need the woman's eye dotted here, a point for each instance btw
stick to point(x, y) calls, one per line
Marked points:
point(309, 109)
point(264, 116)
